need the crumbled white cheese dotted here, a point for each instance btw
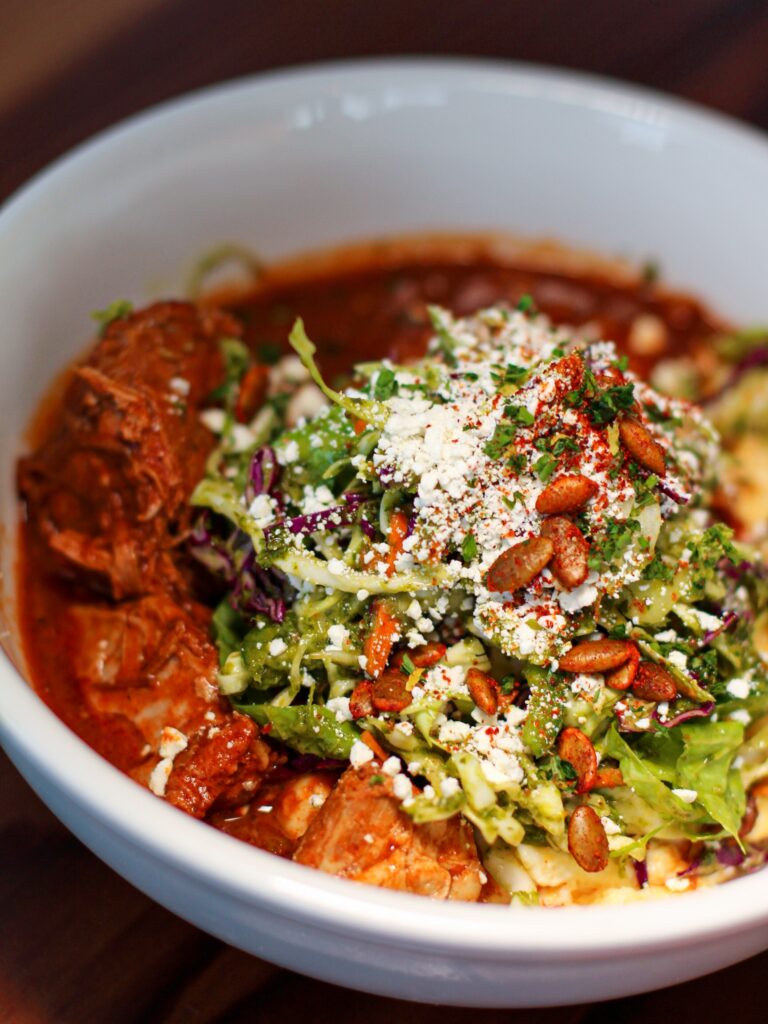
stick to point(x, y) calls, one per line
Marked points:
point(214, 419)
point(172, 742)
point(337, 637)
point(738, 687)
point(158, 779)
point(288, 453)
point(689, 796)
point(262, 510)
point(317, 499)
point(449, 786)
point(277, 647)
point(741, 715)
point(587, 686)
point(180, 386)
point(678, 659)
point(339, 706)
point(391, 766)
point(241, 437)
point(360, 754)
point(675, 884)
point(454, 732)
point(580, 597)
point(402, 786)
point(609, 826)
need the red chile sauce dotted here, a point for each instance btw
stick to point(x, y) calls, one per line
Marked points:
point(356, 311)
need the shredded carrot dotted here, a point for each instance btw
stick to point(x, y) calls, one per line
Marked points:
point(375, 746)
point(359, 426)
point(379, 642)
point(398, 531)
point(253, 391)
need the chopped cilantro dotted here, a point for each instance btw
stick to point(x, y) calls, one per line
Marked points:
point(525, 305)
point(645, 489)
point(503, 435)
point(618, 537)
point(564, 444)
point(386, 384)
point(562, 770)
point(375, 780)
point(115, 311)
point(545, 467)
point(657, 569)
point(511, 374)
point(519, 414)
point(657, 415)
point(509, 685)
point(516, 462)
point(606, 405)
point(511, 502)
point(469, 547)
point(622, 363)
point(445, 340)
point(588, 388)
point(408, 666)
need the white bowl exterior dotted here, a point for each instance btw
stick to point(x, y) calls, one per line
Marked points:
point(302, 160)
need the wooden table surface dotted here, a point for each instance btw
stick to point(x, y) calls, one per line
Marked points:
point(77, 943)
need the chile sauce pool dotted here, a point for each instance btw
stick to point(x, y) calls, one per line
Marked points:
point(354, 311)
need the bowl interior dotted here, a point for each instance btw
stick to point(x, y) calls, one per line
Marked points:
point(300, 161)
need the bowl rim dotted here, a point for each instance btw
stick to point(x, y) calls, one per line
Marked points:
point(32, 732)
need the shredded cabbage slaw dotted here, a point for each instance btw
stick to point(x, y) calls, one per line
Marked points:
point(356, 549)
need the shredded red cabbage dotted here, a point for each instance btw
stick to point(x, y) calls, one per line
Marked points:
point(735, 571)
point(701, 711)
point(258, 591)
point(676, 496)
point(326, 519)
point(726, 622)
point(255, 591)
point(263, 473)
point(641, 872)
point(729, 855)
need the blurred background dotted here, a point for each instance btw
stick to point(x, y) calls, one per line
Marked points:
point(77, 944)
point(71, 67)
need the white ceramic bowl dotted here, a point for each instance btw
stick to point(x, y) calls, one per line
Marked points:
point(303, 159)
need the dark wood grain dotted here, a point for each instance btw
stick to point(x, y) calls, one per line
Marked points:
point(77, 943)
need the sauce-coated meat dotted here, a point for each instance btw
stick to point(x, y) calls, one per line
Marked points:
point(147, 661)
point(108, 490)
point(216, 760)
point(362, 833)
